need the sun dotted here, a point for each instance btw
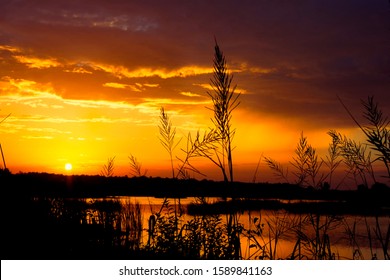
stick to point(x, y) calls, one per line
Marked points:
point(68, 166)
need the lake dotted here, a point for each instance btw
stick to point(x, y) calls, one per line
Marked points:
point(262, 233)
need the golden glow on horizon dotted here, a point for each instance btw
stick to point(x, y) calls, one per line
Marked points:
point(90, 131)
point(114, 111)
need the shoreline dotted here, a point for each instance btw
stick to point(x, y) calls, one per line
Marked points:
point(237, 195)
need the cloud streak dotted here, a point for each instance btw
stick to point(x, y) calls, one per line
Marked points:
point(35, 62)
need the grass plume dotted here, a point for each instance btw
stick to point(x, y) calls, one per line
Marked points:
point(136, 167)
point(224, 100)
point(167, 136)
point(108, 168)
point(377, 131)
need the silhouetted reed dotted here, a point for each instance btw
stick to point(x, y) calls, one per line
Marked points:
point(356, 157)
point(315, 237)
point(4, 170)
point(131, 226)
point(108, 168)
point(224, 100)
point(199, 146)
point(376, 235)
point(278, 169)
point(136, 167)
point(201, 237)
point(307, 166)
point(309, 234)
point(376, 131)
point(167, 136)
point(332, 161)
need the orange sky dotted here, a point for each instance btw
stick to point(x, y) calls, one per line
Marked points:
point(84, 81)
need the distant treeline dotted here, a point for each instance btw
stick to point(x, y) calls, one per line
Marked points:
point(45, 184)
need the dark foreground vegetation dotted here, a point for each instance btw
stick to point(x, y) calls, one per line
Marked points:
point(48, 216)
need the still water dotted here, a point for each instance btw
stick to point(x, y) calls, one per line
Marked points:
point(278, 234)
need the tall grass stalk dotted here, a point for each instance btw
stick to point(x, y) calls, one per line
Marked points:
point(356, 157)
point(307, 164)
point(256, 170)
point(167, 136)
point(383, 237)
point(278, 169)
point(168, 141)
point(108, 168)
point(5, 169)
point(332, 160)
point(351, 234)
point(132, 223)
point(224, 100)
point(217, 143)
point(314, 236)
point(136, 167)
point(199, 146)
point(377, 131)
point(266, 232)
point(376, 235)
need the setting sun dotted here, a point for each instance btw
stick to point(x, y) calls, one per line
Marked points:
point(68, 166)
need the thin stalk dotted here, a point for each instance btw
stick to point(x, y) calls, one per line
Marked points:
point(224, 102)
point(167, 136)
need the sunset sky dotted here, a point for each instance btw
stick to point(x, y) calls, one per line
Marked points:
point(84, 81)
